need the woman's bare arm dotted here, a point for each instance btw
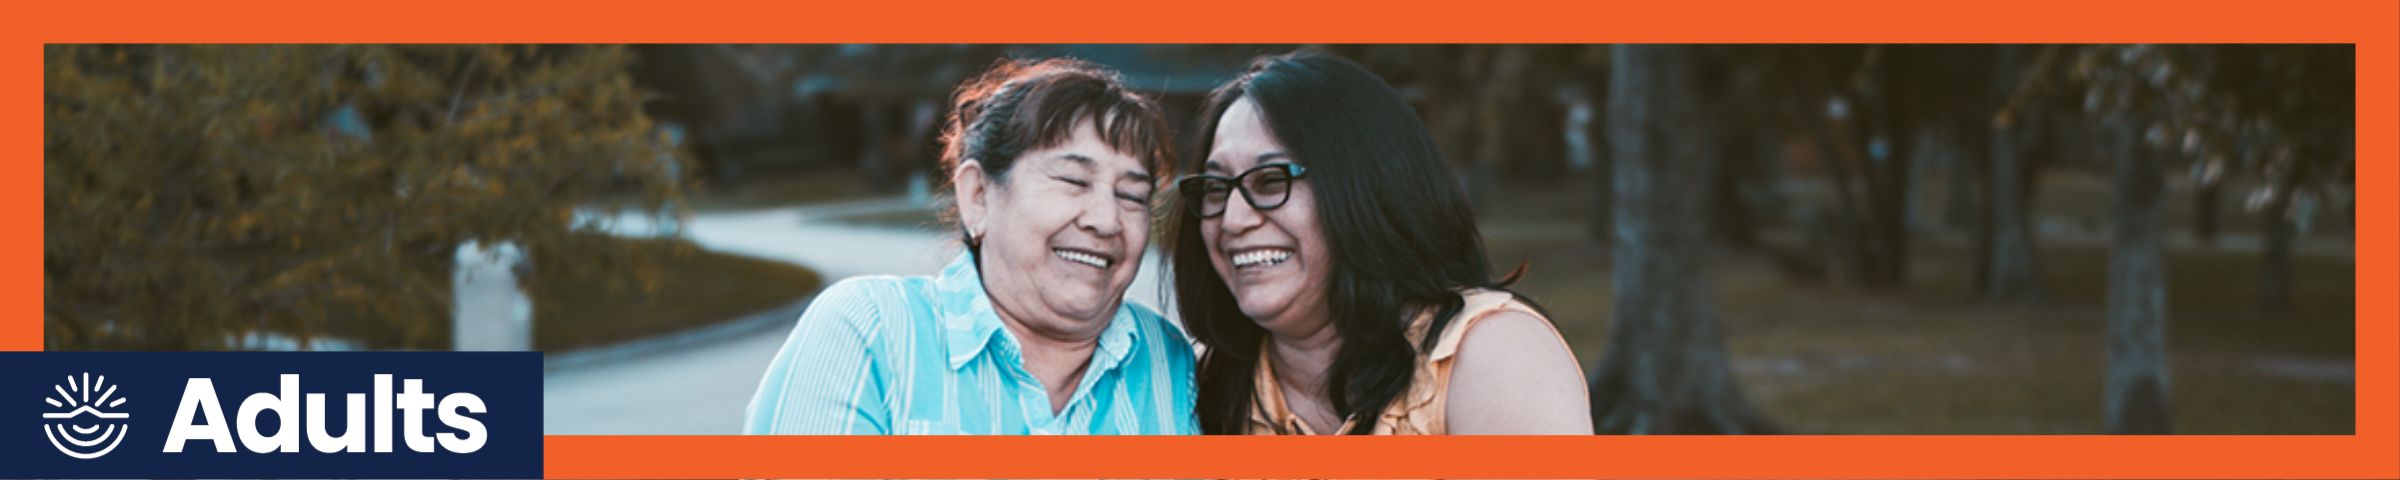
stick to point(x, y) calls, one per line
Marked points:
point(1513, 376)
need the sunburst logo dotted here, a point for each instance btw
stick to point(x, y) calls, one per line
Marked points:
point(86, 425)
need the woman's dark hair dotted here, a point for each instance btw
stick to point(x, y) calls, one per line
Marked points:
point(1022, 105)
point(1402, 234)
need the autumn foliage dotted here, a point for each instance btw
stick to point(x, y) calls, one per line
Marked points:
point(195, 195)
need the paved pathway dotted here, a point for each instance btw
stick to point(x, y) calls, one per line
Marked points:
point(700, 383)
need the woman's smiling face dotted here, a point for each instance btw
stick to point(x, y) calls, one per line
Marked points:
point(1062, 236)
point(1276, 262)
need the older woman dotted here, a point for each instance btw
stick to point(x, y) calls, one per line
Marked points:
point(1328, 262)
point(1052, 164)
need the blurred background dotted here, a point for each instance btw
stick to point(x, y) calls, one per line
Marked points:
point(1891, 239)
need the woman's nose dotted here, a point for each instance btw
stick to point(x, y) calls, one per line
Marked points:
point(1239, 216)
point(1099, 215)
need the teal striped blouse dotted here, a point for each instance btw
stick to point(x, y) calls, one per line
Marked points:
point(880, 355)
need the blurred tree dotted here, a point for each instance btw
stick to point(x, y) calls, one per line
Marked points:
point(1875, 108)
point(193, 195)
point(2006, 265)
point(1497, 111)
point(2137, 290)
point(730, 100)
point(1753, 118)
point(1592, 76)
point(1443, 81)
point(901, 92)
point(2283, 114)
point(1666, 369)
point(1856, 108)
point(1883, 99)
point(739, 103)
point(2136, 388)
point(1771, 94)
point(1858, 105)
point(1519, 112)
point(2279, 114)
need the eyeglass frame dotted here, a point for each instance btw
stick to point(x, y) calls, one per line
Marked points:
point(1198, 199)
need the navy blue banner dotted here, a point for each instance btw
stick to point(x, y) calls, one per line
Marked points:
point(270, 414)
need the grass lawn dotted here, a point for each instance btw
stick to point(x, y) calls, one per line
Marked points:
point(696, 288)
point(1933, 357)
point(573, 309)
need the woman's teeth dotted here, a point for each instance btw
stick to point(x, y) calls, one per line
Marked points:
point(1083, 258)
point(1260, 257)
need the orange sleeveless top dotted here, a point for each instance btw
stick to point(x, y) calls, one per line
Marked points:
point(1419, 410)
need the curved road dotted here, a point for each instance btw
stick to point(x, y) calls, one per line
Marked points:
point(701, 384)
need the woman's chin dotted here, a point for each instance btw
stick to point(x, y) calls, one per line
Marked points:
point(1262, 310)
point(1090, 307)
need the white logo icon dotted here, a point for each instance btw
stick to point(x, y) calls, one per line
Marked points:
point(84, 435)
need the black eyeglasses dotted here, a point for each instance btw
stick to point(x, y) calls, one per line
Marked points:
point(1264, 186)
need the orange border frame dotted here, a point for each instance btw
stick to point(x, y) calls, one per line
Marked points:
point(2370, 24)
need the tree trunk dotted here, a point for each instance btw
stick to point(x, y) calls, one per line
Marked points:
point(2275, 262)
point(1731, 222)
point(2137, 292)
point(2206, 196)
point(1870, 182)
point(1888, 116)
point(1603, 215)
point(1887, 227)
point(1666, 369)
point(2011, 274)
point(1968, 189)
point(1847, 257)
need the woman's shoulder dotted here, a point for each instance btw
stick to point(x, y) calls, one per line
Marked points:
point(869, 302)
point(865, 289)
point(878, 285)
point(1505, 369)
point(1498, 317)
